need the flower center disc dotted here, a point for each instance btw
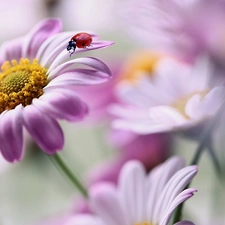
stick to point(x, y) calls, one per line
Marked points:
point(180, 105)
point(144, 223)
point(20, 83)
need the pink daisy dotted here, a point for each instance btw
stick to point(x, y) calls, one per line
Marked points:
point(36, 87)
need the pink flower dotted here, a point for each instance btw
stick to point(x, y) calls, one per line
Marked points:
point(139, 198)
point(150, 150)
point(188, 27)
point(36, 87)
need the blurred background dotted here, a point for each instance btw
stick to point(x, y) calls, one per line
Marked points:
point(33, 190)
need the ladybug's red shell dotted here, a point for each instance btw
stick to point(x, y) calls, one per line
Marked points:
point(82, 40)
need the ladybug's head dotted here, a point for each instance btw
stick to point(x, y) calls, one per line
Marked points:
point(71, 45)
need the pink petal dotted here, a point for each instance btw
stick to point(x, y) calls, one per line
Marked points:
point(105, 202)
point(44, 129)
point(95, 45)
point(11, 134)
point(38, 35)
point(54, 45)
point(78, 77)
point(65, 55)
point(62, 104)
point(94, 63)
point(11, 50)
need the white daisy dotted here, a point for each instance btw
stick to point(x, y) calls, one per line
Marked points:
point(176, 96)
point(140, 199)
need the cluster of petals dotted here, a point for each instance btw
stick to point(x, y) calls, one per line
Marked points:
point(177, 96)
point(140, 198)
point(46, 43)
point(189, 27)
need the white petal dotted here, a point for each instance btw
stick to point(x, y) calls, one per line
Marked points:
point(155, 185)
point(172, 189)
point(105, 202)
point(87, 61)
point(199, 108)
point(183, 196)
point(132, 187)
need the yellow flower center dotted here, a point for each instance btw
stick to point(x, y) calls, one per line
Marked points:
point(181, 103)
point(144, 223)
point(20, 83)
point(139, 65)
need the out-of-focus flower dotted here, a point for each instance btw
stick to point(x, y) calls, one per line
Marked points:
point(177, 96)
point(139, 198)
point(99, 97)
point(148, 149)
point(188, 27)
point(36, 87)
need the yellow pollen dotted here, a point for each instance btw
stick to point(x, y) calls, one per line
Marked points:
point(144, 223)
point(140, 64)
point(20, 83)
point(181, 103)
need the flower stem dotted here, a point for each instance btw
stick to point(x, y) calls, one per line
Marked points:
point(214, 159)
point(63, 168)
point(203, 142)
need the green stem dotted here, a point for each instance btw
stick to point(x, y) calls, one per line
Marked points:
point(214, 159)
point(203, 141)
point(61, 165)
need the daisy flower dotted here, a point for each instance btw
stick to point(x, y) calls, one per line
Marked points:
point(176, 96)
point(36, 87)
point(140, 198)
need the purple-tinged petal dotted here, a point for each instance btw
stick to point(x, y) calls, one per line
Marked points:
point(155, 186)
point(65, 55)
point(54, 45)
point(11, 50)
point(78, 77)
point(44, 129)
point(95, 45)
point(132, 188)
point(183, 196)
point(173, 187)
point(184, 222)
point(38, 35)
point(87, 61)
point(11, 134)
point(62, 104)
point(106, 203)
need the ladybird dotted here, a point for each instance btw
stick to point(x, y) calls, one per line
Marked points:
point(80, 40)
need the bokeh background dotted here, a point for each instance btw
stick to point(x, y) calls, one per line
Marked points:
point(33, 191)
